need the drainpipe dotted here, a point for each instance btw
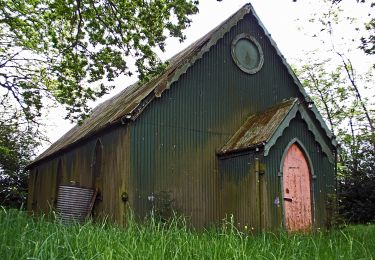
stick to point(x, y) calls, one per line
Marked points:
point(258, 192)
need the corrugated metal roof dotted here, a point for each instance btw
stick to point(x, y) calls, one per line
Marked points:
point(132, 100)
point(258, 128)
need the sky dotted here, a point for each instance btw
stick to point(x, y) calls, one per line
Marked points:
point(285, 20)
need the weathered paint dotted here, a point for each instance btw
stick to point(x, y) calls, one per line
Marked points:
point(296, 190)
point(128, 104)
point(171, 146)
point(323, 173)
point(238, 177)
point(258, 128)
point(79, 166)
point(133, 99)
point(175, 139)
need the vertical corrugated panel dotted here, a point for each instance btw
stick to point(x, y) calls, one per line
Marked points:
point(323, 169)
point(76, 168)
point(238, 192)
point(172, 146)
point(115, 172)
point(43, 193)
point(73, 203)
point(33, 175)
point(174, 141)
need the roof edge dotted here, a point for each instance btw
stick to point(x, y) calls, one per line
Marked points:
point(287, 103)
point(173, 76)
point(218, 34)
point(37, 161)
point(230, 153)
point(297, 82)
point(298, 107)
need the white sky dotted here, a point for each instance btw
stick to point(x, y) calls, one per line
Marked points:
point(278, 16)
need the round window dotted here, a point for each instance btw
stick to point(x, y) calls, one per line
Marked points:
point(247, 53)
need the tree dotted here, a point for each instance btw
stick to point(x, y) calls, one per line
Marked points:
point(357, 188)
point(18, 140)
point(326, 88)
point(68, 52)
point(343, 90)
point(58, 49)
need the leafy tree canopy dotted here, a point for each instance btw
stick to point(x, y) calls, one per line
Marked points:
point(59, 48)
point(69, 52)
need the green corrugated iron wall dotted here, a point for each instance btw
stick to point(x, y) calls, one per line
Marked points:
point(76, 169)
point(173, 142)
point(172, 146)
point(41, 193)
point(241, 191)
point(323, 169)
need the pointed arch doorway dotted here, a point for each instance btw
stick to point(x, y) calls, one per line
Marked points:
point(297, 193)
point(97, 179)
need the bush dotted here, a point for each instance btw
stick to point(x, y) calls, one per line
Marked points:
point(356, 189)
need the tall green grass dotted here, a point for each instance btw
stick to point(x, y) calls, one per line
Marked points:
point(25, 237)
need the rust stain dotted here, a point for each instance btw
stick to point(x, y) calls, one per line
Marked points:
point(111, 112)
point(258, 128)
point(297, 191)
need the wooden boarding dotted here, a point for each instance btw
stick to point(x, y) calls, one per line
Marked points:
point(92, 202)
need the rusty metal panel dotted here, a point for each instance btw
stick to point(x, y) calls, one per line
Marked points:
point(258, 128)
point(172, 145)
point(129, 103)
point(73, 203)
point(240, 191)
point(297, 190)
point(76, 167)
point(174, 141)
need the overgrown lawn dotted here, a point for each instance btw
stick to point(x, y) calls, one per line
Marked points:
point(25, 237)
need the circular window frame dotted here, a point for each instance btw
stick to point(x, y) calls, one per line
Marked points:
point(256, 43)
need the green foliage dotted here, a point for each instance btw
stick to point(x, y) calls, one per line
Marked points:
point(58, 49)
point(69, 52)
point(368, 41)
point(357, 186)
point(344, 96)
point(327, 88)
point(338, 101)
point(16, 149)
point(25, 237)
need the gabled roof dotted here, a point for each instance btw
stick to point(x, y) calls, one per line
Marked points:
point(130, 102)
point(258, 128)
point(263, 129)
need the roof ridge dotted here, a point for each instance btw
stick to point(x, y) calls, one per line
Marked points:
point(133, 95)
point(132, 100)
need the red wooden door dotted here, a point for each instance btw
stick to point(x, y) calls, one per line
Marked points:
point(297, 190)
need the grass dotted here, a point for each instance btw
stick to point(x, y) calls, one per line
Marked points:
point(25, 237)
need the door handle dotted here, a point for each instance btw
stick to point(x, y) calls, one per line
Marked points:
point(288, 199)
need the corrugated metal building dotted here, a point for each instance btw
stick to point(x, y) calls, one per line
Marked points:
point(226, 130)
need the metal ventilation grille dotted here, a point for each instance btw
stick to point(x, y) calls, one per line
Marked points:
point(73, 203)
